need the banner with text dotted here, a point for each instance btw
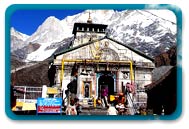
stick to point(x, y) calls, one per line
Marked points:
point(49, 105)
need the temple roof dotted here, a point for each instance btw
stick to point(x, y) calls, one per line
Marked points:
point(90, 42)
point(160, 80)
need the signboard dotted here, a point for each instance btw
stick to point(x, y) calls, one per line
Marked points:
point(49, 105)
point(28, 106)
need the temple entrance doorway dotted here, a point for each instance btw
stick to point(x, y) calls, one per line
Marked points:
point(105, 85)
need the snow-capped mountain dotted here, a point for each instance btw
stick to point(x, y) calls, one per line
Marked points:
point(144, 30)
point(50, 31)
point(17, 39)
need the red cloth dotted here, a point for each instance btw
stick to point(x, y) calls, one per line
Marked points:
point(104, 92)
point(130, 87)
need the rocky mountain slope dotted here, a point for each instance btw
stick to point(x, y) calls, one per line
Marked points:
point(164, 62)
point(17, 39)
point(36, 75)
point(167, 58)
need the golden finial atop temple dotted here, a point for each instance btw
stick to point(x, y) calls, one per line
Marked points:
point(89, 19)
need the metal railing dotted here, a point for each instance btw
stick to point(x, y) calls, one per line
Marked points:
point(27, 93)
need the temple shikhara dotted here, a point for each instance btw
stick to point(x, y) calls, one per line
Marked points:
point(95, 62)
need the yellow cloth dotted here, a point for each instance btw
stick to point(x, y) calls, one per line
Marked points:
point(51, 90)
point(19, 104)
point(29, 106)
point(112, 98)
point(14, 108)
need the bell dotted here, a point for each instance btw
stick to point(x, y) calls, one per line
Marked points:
point(84, 72)
point(97, 68)
point(107, 67)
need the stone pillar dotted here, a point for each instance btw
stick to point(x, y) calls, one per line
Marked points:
point(79, 87)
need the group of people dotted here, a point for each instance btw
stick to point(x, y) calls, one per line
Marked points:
point(113, 108)
point(118, 106)
point(119, 109)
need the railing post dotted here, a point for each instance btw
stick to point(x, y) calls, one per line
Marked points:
point(25, 94)
point(44, 91)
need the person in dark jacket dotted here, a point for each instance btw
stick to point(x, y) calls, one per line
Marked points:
point(51, 74)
